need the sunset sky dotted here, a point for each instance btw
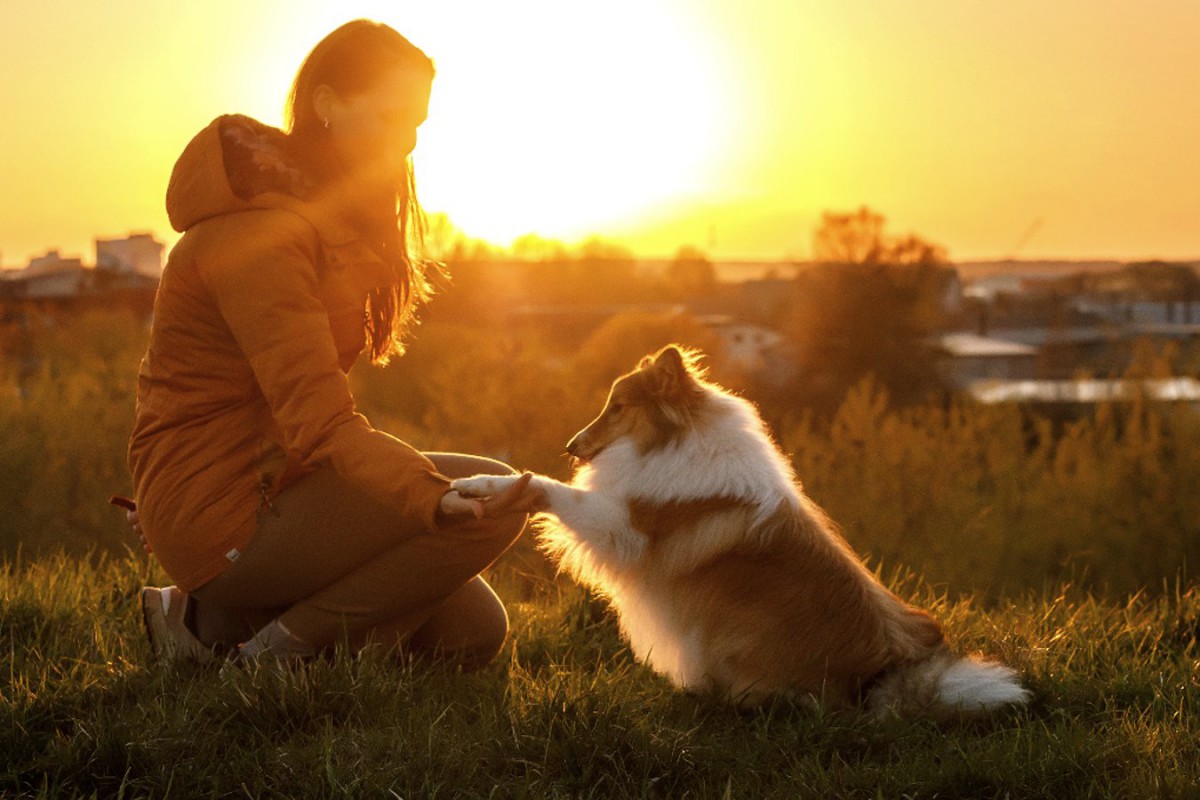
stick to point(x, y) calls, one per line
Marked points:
point(1060, 129)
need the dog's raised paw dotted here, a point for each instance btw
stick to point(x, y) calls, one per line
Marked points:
point(481, 485)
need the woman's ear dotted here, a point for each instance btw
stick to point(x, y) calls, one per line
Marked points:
point(323, 100)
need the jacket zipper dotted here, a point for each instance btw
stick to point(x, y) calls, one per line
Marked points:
point(264, 496)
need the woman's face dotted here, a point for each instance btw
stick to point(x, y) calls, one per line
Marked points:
point(374, 131)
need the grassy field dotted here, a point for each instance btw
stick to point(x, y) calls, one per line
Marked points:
point(565, 712)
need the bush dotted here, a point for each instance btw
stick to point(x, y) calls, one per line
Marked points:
point(989, 499)
point(67, 422)
point(975, 498)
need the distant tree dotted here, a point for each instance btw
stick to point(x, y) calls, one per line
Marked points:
point(442, 237)
point(1170, 284)
point(606, 272)
point(858, 238)
point(1176, 286)
point(867, 307)
point(855, 238)
point(691, 274)
point(532, 247)
point(445, 242)
point(1164, 281)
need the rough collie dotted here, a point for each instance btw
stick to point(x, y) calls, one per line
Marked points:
point(725, 576)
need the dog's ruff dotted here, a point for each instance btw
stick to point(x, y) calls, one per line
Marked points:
point(725, 576)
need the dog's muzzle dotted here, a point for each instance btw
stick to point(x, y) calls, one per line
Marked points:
point(577, 448)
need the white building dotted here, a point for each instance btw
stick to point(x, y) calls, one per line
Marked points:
point(966, 358)
point(139, 254)
point(132, 263)
point(48, 277)
point(748, 346)
point(1086, 391)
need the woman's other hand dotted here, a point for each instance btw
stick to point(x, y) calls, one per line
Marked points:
point(131, 515)
point(135, 522)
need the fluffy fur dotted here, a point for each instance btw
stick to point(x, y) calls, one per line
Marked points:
point(725, 576)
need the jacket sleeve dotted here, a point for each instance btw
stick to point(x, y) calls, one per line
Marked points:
point(263, 277)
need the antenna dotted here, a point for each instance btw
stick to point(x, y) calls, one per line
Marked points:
point(1024, 238)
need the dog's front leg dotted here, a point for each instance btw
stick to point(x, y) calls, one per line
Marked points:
point(596, 521)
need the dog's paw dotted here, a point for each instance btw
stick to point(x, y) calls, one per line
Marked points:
point(483, 485)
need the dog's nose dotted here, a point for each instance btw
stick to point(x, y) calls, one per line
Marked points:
point(578, 447)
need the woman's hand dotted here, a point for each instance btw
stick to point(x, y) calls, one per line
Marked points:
point(135, 522)
point(131, 515)
point(520, 498)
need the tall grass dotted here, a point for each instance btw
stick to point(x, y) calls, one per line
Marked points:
point(65, 425)
point(992, 500)
point(979, 500)
point(564, 712)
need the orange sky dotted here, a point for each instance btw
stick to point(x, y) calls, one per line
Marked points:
point(725, 124)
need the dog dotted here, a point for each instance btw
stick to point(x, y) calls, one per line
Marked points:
point(725, 576)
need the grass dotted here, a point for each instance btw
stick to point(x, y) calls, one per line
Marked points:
point(565, 712)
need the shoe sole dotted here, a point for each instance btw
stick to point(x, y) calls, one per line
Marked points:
point(146, 626)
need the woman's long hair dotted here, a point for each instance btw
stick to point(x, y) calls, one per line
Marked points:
point(350, 60)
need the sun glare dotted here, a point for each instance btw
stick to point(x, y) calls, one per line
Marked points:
point(560, 119)
point(582, 118)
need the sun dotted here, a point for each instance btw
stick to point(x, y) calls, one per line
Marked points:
point(562, 119)
point(566, 119)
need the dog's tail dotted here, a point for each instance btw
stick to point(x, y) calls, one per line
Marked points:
point(944, 685)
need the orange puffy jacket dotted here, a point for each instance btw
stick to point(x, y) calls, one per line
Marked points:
point(258, 318)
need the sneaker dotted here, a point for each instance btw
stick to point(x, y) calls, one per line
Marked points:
point(163, 613)
point(238, 662)
point(272, 644)
point(234, 663)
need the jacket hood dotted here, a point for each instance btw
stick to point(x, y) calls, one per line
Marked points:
point(238, 164)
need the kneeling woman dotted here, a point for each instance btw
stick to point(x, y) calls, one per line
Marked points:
point(287, 522)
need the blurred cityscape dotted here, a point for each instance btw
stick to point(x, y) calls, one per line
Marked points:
point(1040, 332)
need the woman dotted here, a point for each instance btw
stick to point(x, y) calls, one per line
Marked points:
point(288, 523)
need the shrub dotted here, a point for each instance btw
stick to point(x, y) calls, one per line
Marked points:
point(989, 499)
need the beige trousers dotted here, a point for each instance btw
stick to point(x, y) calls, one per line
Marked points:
point(333, 565)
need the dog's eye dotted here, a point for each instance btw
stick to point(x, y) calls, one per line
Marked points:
point(615, 408)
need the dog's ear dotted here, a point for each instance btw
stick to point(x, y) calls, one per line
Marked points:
point(668, 372)
point(670, 358)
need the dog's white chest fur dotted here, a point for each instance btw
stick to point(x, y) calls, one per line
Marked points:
point(593, 536)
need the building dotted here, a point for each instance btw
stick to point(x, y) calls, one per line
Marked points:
point(1087, 391)
point(138, 254)
point(965, 359)
point(126, 267)
point(1037, 338)
point(748, 346)
point(48, 277)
